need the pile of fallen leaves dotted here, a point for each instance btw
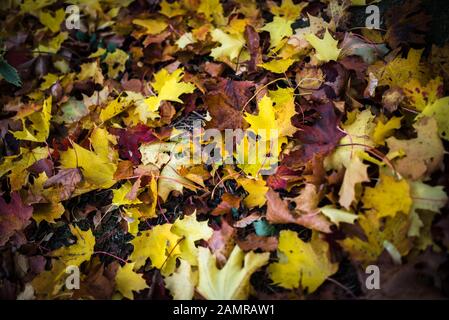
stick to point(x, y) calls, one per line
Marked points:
point(88, 177)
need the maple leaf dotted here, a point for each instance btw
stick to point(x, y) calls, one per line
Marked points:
point(40, 127)
point(96, 166)
point(121, 195)
point(171, 9)
point(54, 44)
point(391, 234)
point(400, 70)
point(420, 96)
point(91, 70)
point(81, 251)
point(355, 173)
point(304, 265)
point(128, 281)
point(116, 62)
point(279, 28)
point(287, 9)
point(256, 189)
point(232, 281)
point(160, 245)
point(52, 22)
point(388, 197)
point(231, 44)
point(212, 10)
point(326, 48)
point(152, 26)
point(48, 212)
point(114, 108)
point(18, 165)
point(14, 216)
point(284, 101)
point(278, 66)
point(422, 155)
point(191, 230)
point(182, 282)
point(382, 131)
point(169, 87)
point(255, 155)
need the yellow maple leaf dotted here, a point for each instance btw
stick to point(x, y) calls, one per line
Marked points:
point(265, 120)
point(53, 45)
point(91, 70)
point(284, 109)
point(231, 44)
point(384, 130)
point(287, 9)
point(116, 62)
point(98, 166)
point(278, 66)
point(420, 96)
point(40, 124)
point(326, 49)
point(305, 265)
point(400, 70)
point(114, 108)
point(169, 87)
point(260, 147)
point(52, 22)
point(160, 245)
point(120, 195)
point(256, 191)
point(127, 281)
point(388, 197)
point(152, 26)
point(79, 252)
point(278, 29)
point(212, 10)
point(191, 230)
point(171, 9)
point(380, 233)
point(232, 281)
point(48, 212)
point(18, 165)
point(49, 80)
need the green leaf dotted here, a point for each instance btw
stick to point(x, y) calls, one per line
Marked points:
point(263, 228)
point(9, 73)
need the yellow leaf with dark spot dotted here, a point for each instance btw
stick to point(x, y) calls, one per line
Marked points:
point(301, 264)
